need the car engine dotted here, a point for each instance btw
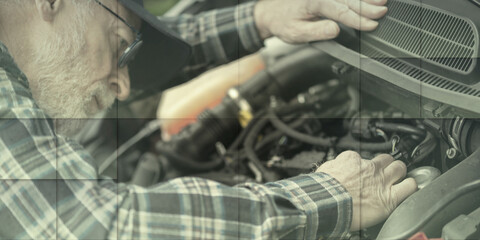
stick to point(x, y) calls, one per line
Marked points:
point(411, 89)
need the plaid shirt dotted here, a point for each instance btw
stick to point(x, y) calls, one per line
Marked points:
point(218, 36)
point(49, 187)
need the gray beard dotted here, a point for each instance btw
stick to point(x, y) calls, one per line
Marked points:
point(69, 127)
point(61, 80)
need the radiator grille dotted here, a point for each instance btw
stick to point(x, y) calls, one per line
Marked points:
point(419, 74)
point(433, 35)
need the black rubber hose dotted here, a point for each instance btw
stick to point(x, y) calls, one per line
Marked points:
point(185, 162)
point(352, 144)
point(401, 128)
point(248, 145)
point(236, 143)
point(288, 77)
point(277, 134)
point(425, 148)
point(326, 142)
point(287, 130)
point(285, 79)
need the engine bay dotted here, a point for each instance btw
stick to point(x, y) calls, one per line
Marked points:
point(309, 104)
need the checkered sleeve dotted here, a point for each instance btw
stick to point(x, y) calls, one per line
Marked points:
point(324, 202)
point(49, 189)
point(218, 36)
point(305, 207)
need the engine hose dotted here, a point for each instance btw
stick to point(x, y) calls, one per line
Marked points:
point(277, 134)
point(287, 109)
point(185, 162)
point(294, 108)
point(285, 79)
point(236, 143)
point(401, 128)
point(252, 156)
point(424, 149)
point(352, 144)
point(324, 142)
point(344, 143)
point(354, 95)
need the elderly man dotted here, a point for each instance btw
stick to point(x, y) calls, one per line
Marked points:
point(69, 59)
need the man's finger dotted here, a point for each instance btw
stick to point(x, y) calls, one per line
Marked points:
point(365, 9)
point(395, 171)
point(315, 31)
point(342, 13)
point(376, 2)
point(383, 160)
point(348, 155)
point(404, 189)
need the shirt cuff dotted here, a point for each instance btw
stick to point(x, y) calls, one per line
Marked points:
point(247, 28)
point(326, 203)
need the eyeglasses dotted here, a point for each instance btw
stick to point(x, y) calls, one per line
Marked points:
point(129, 53)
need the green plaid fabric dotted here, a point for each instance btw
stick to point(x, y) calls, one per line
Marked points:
point(217, 36)
point(50, 189)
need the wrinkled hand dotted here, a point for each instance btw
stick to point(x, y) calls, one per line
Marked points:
point(372, 185)
point(297, 21)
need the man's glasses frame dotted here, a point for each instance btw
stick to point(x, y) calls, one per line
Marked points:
point(129, 54)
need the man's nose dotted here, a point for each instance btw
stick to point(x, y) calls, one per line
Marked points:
point(120, 84)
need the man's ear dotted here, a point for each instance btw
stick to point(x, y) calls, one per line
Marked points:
point(48, 9)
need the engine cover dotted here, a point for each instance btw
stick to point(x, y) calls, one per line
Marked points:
point(428, 47)
point(439, 36)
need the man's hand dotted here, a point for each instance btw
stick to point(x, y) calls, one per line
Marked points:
point(297, 21)
point(372, 184)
